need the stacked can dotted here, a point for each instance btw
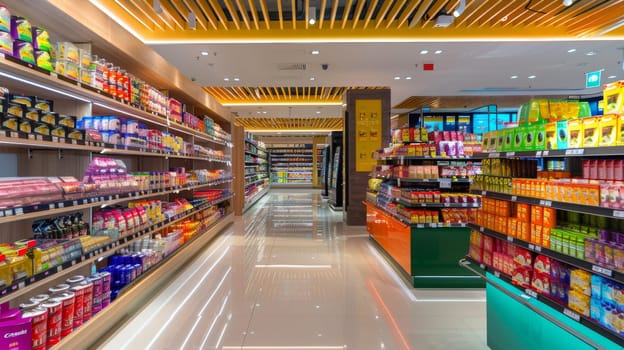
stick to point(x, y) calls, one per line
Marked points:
point(39, 323)
point(67, 298)
point(97, 292)
point(55, 318)
point(87, 302)
point(106, 288)
point(79, 289)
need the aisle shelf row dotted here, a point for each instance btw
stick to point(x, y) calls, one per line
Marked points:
point(402, 158)
point(558, 153)
point(28, 284)
point(255, 163)
point(436, 180)
point(255, 154)
point(256, 182)
point(18, 139)
point(580, 208)
point(407, 222)
point(530, 293)
point(407, 203)
point(51, 84)
point(290, 155)
point(50, 209)
point(251, 200)
point(291, 164)
point(570, 260)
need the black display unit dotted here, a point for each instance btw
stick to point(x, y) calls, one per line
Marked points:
point(335, 180)
point(324, 178)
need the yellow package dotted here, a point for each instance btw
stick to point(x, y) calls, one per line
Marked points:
point(551, 136)
point(613, 94)
point(591, 132)
point(620, 130)
point(575, 132)
point(608, 130)
point(579, 302)
point(580, 281)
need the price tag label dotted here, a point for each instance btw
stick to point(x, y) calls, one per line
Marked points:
point(483, 193)
point(497, 274)
point(85, 201)
point(510, 239)
point(16, 211)
point(462, 225)
point(53, 75)
point(531, 293)
point(602, 270)
point(464, 205)
point(482, 229)
point(74, 142)
point(538, 153)
point(55, 139)
point(618, 213)
point(14, 134)
point(545, 203)
point(73, 262)
point(511, 154)
point(531, 247)
point(571, 314)
point(61, 205)
point(446, 183)
point(75, 203)
point(545, 153)
point(21, 285)
point(494, 155)
point(420, 226)
point(59, 268)
point(51, 206)
point(538, 248)
point(447, 205)
point(514, 198)
point(31, 136)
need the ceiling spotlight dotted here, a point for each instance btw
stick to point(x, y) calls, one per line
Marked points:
point(532, 77)
point(591, 53)
point(264, 112)
point(397, 78)
point(157, 7)
point(513, 77)
point(312, 11)
point(612, 76)
point(460, 9)
point(318, 112)
point(424, 52)
point(315, 52)
point(226, 79)
point(204, 53)
point(571, 50)
point(437, 52)
point(568, 2)
point(312, 78)
point(192, 21)
point(408, 78)
point(236, 79)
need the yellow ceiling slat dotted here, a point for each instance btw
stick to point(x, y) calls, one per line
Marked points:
point(199, 17)
point(546, 12)
point(607, 13)
point(281, 16)
point(569, 12)
point(420, 13)
point(369, 13)
point(243, 12)
point(252, 8)
point(146, 11)
point(322, 13)
point(265, 14)
point(208, 13)
point(432, 13)
point(220, 14)
point(173, 15)
point(294, 13)
point(596, 25)
point(382, 13)
point(483, 14)
point(523, 14)
point(345, 13)
point(497, 16)
point(333, 14)
point(230, 7)
point(395, 12)
point(307, 14)
point(358, 12)
point(471, 11)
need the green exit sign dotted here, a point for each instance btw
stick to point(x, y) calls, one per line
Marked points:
point(592, 79)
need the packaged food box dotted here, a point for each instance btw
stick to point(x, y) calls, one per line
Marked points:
point(540, 137)
point(518, 138)
point(24, 51)
point(613, 97)
point(620, 130)
point(562, 134)
point(500, 140)
point(5, 19)
point(6, 43)
point(15, 110)
point(41, 39)
point(529, 139)
point(591, 132)
point(68, 69)
point(66, 51)
point(508, 135)
point(33, 114)
point(43, 60)
point(49, 118)
point(551, 136)
point(575, 133)
point(21, 29)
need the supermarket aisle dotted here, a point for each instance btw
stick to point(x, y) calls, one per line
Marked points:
point(289, 275)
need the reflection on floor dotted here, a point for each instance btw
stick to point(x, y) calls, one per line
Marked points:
point(288, 275)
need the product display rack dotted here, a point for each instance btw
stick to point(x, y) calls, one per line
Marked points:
point(291, 165)
point(38, 155)
point(426, 253)
point(256, 172)
point(589, 333)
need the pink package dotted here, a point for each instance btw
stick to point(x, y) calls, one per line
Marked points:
point(15, 334)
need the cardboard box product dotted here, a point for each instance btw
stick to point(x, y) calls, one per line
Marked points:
point(608, 133)
point(562, 134)
point(591, 132)
point(518, 138)
point(575, 133)
point(540, 137)
point(613, 97)
point(620, 130)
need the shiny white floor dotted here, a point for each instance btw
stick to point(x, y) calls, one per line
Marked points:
point(289, 275)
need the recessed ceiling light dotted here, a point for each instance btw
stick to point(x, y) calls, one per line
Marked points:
point(258, 112)
point(612, 76)
point(312, 78)
point(397, 78)
point(265, 112)
point(204, 53)
point(531, 76)
point(316, 52)
point(437, 52)
point(408, 78)
point(424, 52)
point(236, 79)
point(591, 53)
point(226, 79)
point(318, 112)
point(571, 50)
point(513, 77)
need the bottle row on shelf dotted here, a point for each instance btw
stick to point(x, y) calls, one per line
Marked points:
point(453, 169)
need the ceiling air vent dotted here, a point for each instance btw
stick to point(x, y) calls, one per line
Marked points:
point(291, 66)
